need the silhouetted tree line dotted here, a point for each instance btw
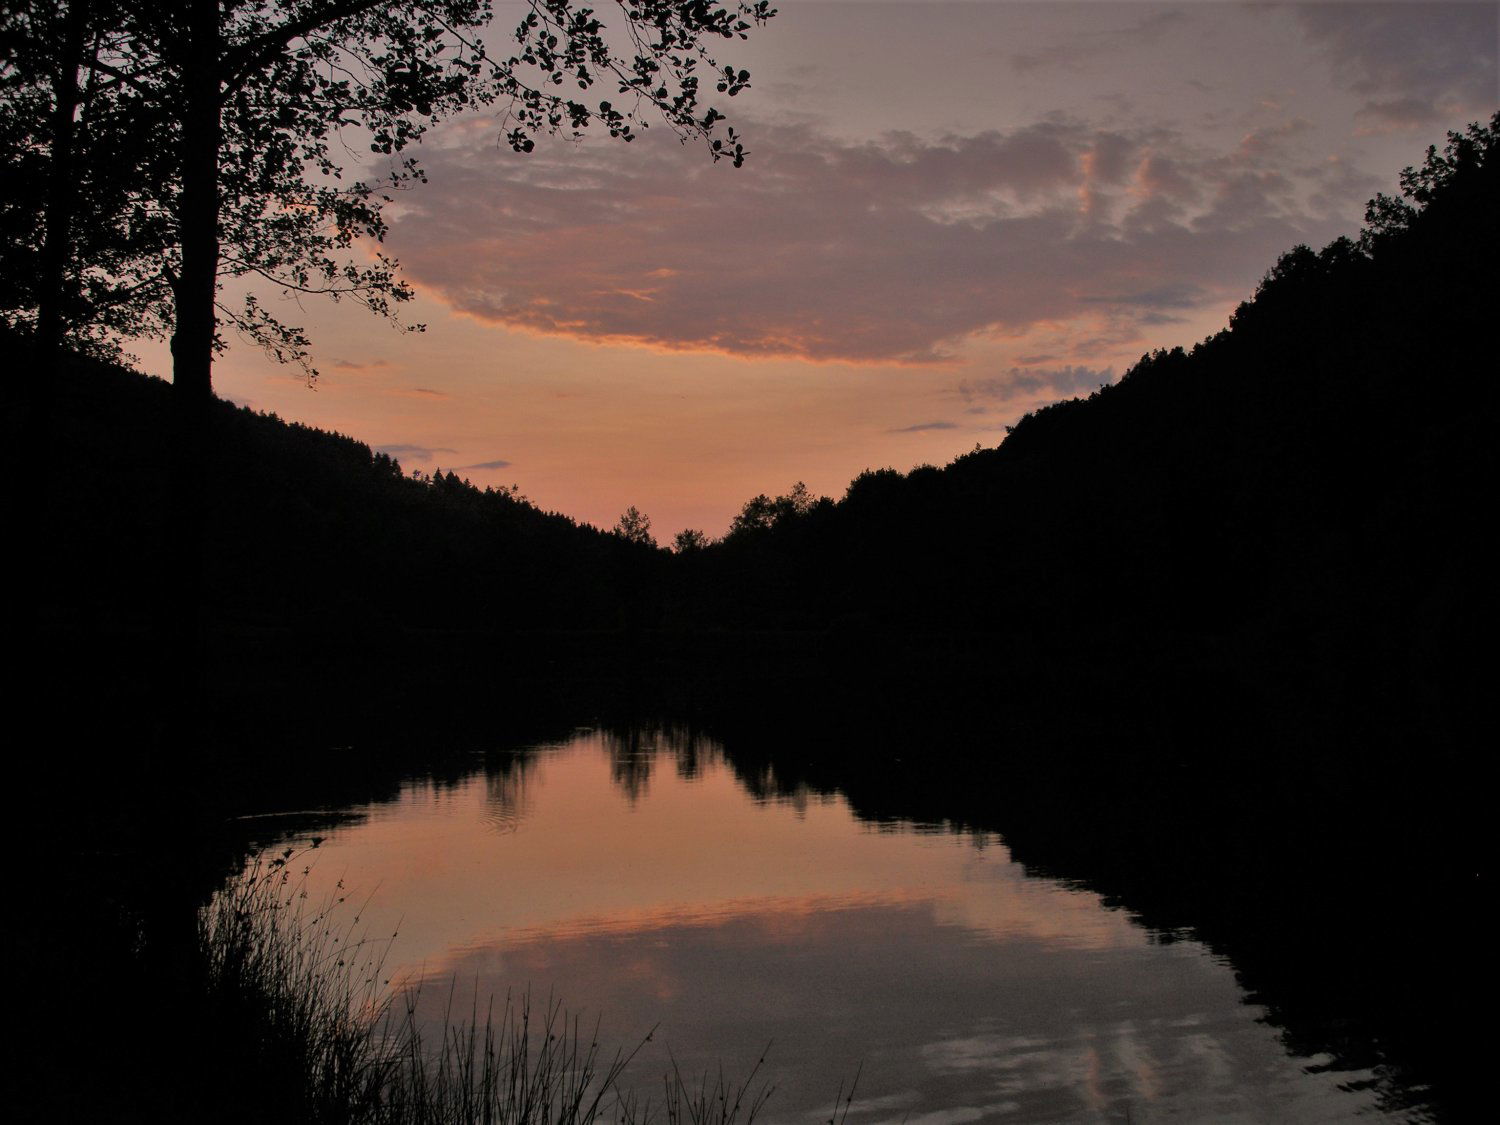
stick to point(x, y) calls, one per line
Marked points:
point(307, 532)
point(1293, 507)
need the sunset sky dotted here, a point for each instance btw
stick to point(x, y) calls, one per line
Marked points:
point(952, 213)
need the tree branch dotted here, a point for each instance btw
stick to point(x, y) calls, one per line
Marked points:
point(254, 55)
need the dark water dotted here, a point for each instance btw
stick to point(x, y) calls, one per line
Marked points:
point(646, 885)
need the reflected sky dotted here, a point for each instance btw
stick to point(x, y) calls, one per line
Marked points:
point(640, 882)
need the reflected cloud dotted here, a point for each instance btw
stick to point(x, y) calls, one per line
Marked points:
point(635, 873)
point(953, 1029)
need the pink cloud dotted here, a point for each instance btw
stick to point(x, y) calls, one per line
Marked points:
point(1021, 381)
point(820, 249)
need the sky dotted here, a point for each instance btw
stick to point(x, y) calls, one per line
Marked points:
point(952, 213)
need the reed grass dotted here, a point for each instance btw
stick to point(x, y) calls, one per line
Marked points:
point(295, 989)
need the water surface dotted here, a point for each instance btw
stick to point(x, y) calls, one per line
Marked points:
point(641, 882)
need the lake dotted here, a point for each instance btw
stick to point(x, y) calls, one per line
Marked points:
point(641, 881)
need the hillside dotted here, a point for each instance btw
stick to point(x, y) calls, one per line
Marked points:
point(1284, 519)
point(1288, 514)
point(308, 531)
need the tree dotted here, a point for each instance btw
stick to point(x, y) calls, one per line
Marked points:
point(762, 513)
point(689, 539)
point(1457, 172)
point(758, 514)
point(634, 526)
point(246, 101)
point(68, 241)
point(82, 229)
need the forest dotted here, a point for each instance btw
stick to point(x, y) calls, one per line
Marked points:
point(1287, 514)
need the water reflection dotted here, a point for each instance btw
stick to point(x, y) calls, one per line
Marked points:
point(635, 751)
point(637, 876)
point(508, 792)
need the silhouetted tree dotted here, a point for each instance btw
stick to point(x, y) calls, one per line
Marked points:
point(244, 100)
point(689, 539)
point(761, 513)
point(1452, 179)
point(49, 138)
point(634, 526)
point(69, 162)
point(758, 514)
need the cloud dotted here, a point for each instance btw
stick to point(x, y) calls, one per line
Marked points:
point(1271, 138)
point(417, 392)
point(1398, 115)
point(1061, 382)
point(353, 367)
point(409, 452)
point(1173, 295)
point(1075, 51)
point(924, 427)
point(1340, 185)
point(824, 249)
point(487, 465)
point(1417, 64)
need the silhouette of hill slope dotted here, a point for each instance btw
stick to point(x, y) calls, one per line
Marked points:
point(1292, 508)
point(308, 531)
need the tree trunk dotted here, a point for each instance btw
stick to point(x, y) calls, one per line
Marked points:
point(195, 292)
point(198, 216)
point(175, 777)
